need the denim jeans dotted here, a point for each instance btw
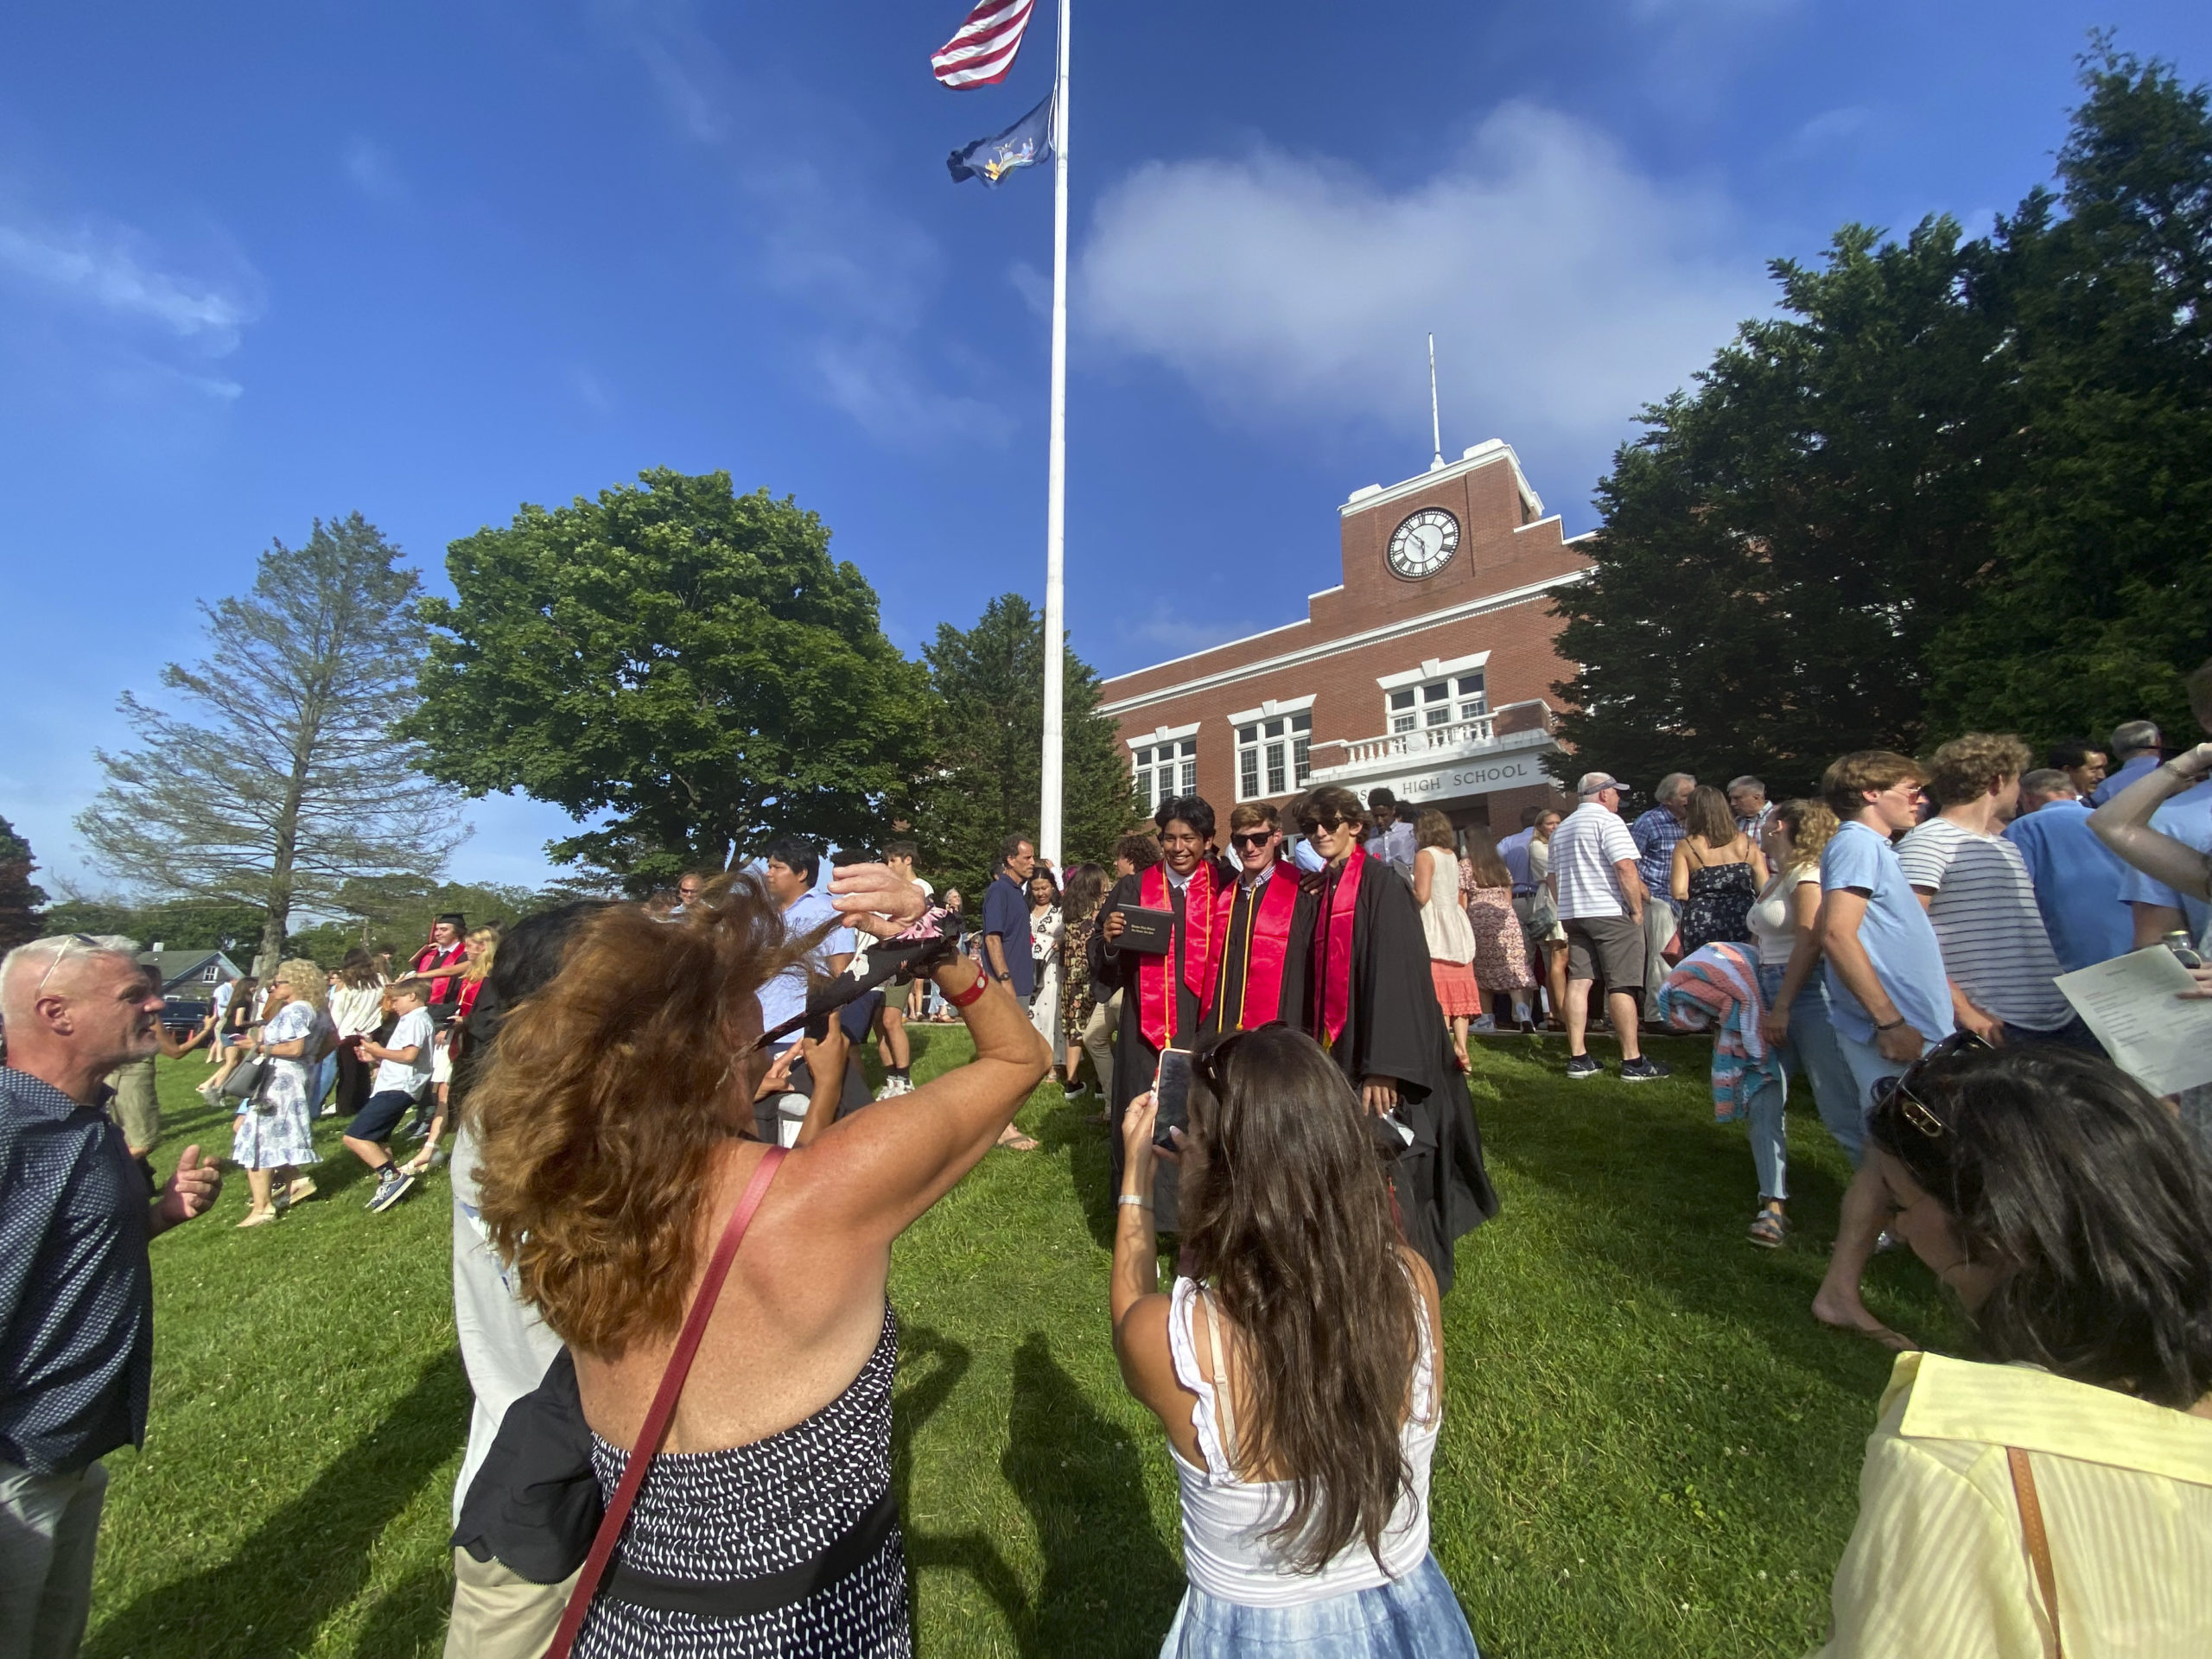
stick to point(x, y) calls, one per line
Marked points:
point(1413, 1618)
point(1815, 1052)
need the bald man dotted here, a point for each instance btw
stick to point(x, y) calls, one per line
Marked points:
point(76, 1283)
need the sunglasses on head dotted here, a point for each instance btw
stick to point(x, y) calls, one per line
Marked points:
point(1252, 838)
point(1912, 1107)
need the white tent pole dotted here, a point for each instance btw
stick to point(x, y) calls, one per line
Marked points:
point(1049, 812)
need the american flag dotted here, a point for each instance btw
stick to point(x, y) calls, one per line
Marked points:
point(983, 50)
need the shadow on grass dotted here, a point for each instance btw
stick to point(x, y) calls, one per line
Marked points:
point(311, 1557)
point(1110, 1587)
point(1091, 1168)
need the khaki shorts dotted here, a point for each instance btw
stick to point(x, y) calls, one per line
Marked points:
point(1611, 947)
point(137, 1109)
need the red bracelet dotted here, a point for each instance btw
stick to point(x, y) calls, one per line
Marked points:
point(962, 999)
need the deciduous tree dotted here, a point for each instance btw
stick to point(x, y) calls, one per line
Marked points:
point(19, 897)
point(687, 663)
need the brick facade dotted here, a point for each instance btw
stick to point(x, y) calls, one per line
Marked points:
point(1490, 595)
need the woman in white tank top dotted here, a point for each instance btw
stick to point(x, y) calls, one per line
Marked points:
point(1301, 1426)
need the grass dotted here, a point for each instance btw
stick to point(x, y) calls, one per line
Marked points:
point(1649, 1448)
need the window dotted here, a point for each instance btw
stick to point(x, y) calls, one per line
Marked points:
point(1437, 703)
point(211, 973)
point(1166, 770)
point(1274, 756)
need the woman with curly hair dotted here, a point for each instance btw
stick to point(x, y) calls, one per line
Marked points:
point(272, 1138)
point(2054, 1496)
point(616, 1139)
point(1297, 1366)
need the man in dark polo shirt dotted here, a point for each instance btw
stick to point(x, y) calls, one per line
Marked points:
point(76, 1284)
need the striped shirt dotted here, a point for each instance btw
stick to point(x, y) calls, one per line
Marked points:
point(1987, 922)
point(1935, 1567)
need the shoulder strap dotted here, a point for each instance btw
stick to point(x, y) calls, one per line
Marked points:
point(664, 1405)
point(1222, 1409)
point(2023, 1491)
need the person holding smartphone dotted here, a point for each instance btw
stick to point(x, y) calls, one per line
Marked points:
point(1302, 1427)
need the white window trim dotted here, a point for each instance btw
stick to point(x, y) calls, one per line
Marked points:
point(1165, 734)
point(1272, 708)
point(1434, 668)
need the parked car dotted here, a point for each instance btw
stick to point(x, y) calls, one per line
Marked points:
point(184, 1014)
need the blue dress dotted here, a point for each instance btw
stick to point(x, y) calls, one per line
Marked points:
point(275, 1128)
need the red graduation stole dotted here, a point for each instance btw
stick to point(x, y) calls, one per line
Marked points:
point(1266, 945)
point(1156, 997)
point(1332, 948)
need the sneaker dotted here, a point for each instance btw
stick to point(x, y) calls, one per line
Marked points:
point(1644, 1069)
point(391, 1187)
point(1583, 1066)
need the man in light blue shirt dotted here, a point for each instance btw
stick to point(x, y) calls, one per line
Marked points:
point(1889, 998)
point(2157, 908)
point(1514, 849)
point(2136, 746)
point(2077, 878)
point(789, 869)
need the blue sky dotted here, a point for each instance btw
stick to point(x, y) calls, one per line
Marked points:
point(261, 262)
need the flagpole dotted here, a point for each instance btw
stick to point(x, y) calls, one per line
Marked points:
point(1049, 809)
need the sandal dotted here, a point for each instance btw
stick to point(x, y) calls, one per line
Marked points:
point(259, 1217)
point(1014, 1141)
point(1769, 1228)
point(1878, 1333)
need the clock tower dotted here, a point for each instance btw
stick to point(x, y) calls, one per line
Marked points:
point(1428, 671)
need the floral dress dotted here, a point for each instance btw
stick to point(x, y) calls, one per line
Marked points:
point(1501, 946)
point(274, 1130)
point(1076, 999)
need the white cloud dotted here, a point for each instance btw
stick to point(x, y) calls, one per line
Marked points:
point(108, 272)
point(876, 382)
point(1829, 131)
point(1566, 289)
point(372, 171)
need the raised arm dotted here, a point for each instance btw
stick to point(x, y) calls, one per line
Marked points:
point(873, 1174)
point(2123, 824)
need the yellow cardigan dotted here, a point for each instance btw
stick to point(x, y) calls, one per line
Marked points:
point(1937, 1566)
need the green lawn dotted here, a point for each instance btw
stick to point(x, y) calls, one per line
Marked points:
point(1648, 1447)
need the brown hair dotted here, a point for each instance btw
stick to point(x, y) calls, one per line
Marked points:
point(1709, 817)
point(1845, 784)
point(1811, 826)
point(1330, 804)
point(1084, 892)
point(1140, 850)
point(358, 970)
point(606, 1100)
point(1487, 862)
point(1252, 814)
point(1432, 828)
point(1964, 768)
point(1287, 1213)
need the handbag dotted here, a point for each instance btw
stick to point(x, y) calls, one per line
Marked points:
point(664, 1407)
point(246, 1078)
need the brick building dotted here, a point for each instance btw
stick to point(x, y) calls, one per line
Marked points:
point(1428, 670)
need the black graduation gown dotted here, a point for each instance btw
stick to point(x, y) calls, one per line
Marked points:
point(1236, 948)
point(1394, 1029)
point(1135, 1060)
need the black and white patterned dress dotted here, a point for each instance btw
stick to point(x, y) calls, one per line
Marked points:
point(710, 1517)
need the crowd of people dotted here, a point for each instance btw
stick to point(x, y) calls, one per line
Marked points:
point(674, 1196)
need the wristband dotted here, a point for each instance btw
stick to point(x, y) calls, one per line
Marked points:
point(1133, 1200)
point(1893, 1024)
point(960, 999)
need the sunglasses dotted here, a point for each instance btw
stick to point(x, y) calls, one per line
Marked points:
point(1323, 827)
point(1252, 839)
point(1914, 1110)
point(74, 942)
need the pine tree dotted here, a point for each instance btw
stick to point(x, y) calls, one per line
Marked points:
point(19, 898)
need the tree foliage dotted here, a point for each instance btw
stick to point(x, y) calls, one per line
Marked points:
point(280, 779)
point(394, 913)
point(178, 924)
point(1957, 483)
point(19, 897)
point(989, 682)
point(688, 662)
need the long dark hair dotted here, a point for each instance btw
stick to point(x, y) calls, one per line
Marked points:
point(1286, 1212)
point(1086, 890)
point(358, 970)
point(2064, 1175)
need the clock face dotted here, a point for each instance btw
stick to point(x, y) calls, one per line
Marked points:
point(1424, 543)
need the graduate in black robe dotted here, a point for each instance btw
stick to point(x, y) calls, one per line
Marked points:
point(1263, 926)
point(1370, 1000)
point(1162, 996)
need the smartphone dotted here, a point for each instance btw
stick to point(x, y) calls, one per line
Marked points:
point(1171, 1083)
